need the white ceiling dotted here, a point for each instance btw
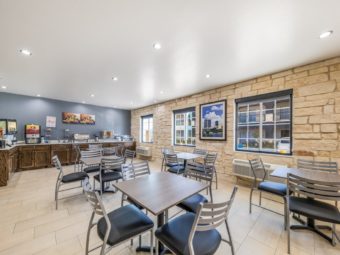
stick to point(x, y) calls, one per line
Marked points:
point(79, 45)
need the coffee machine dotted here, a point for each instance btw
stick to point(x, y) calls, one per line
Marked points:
point(32, 134)
point(8, 131)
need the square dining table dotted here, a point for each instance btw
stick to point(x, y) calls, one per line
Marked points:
point(188, 156)
point(158, 192)
point(282, 172)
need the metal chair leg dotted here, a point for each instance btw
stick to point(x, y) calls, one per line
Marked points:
point(333, 235)
point(288, 230)
point(260, 200)
point(285, 213)
point(250, 199)
point(216, 180)
point(140, 240)
point(157, 251)
point(230, 239)
point(151, 241)
point(56, 195)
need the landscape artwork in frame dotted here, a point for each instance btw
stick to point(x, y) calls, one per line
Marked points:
point(213, 121)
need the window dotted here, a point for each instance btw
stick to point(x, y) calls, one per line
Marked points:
point(184, 127)
point(263, 123)
point(147, 129)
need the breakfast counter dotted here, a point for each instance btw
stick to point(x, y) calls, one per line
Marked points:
point(20, 157)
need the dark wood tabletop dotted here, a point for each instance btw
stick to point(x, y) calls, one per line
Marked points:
point(160, 191)
point(282, 172)
point(188, 155)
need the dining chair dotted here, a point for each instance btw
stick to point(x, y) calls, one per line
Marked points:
point(324, 166)
point(166, 151)
point(172, 162)
point(208, 163)
point(129, 155)
point(119, 150)
point(65, 179)
point(107, 172)
point(199, 151)
point(260, 184)
point(191, 234)
point(90, 154)
point(304, 198)
point(192, 203)
point(95, 146)
point(117, 226)
point(109, 151)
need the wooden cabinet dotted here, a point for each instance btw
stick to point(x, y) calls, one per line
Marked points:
point(63, 152)
point(13, 160)
point(26, 157)
point(42, 156)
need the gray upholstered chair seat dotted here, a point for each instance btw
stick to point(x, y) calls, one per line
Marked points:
point(175, 235)
point(314, 209)
point(109, 176)
point(126, 222)
point(176, 169)
point(91, 169)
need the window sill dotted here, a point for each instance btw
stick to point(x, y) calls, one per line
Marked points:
point(265, 153)
point(183, 145)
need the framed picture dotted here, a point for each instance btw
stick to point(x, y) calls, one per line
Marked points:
point(213, 121)
point(87, 119)
point(71, 118)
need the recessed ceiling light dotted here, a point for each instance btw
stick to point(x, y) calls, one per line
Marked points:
point(115, 78)
point(157, 46)
point(207, 76)
point(326, 34)
point(3, 87)
point(92, 95)
point(26, 52)
point(38, 95)
point(161, 92)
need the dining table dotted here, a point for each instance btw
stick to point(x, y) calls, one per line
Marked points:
point(282, 173)
point(188, 156)
point(157, 193)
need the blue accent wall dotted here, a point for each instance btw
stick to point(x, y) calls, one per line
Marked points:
point(26, 110)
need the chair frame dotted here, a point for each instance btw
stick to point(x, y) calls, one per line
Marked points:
point(89, 154)
point(210, 216)
point(60, 183)
point(313, 189)
point(129, 154)
point(99, 209)
point(166, 151)
point(324, 166)
point(107, 165)
point(171, 158)
point(255, 165)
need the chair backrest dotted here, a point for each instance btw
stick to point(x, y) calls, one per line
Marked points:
point(129, 155)
point(324, 166)
point(210, 158)
point(167, 150)
point(200, 151)
point(171, 158)
point(57, 165)
point(90, 153)
point(258, 169)
point(119, 150)
point(141, 169)
point(110, 164)
point(313, 188)
point(194, 172)
point(95, 146)
point(109, 151)
point(210, 216)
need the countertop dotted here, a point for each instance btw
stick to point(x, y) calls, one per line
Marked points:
point(56, 142)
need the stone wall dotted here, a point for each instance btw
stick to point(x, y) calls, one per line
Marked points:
point(316, 114)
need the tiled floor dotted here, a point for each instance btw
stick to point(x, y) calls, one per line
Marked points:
point(29, 223)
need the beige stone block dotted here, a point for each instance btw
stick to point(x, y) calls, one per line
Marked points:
point(308, 111)
point(316, 128)
point(324, 118)
point(316, 89)
point(335, 67)
point(313, 79)
point(319, 70)
point(329, 135)
point(316, 145)
point(335, 76)
point(278, 81)
point(282, 74)
point(303, 136)
point(337, 109)
point(309, 67)
point(323, 96)
point(300, 120)
point(261, 85)
point(328, 109)
point(243, 89)
point(296, 76)
point(328, 128)
point(302, 128)
point(332, 61)
point(310, 103)
point(263, 78)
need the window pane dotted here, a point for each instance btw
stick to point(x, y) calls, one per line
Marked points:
point(268, 131)
point(253, 144)
point(184, 126)
point(242, 132)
